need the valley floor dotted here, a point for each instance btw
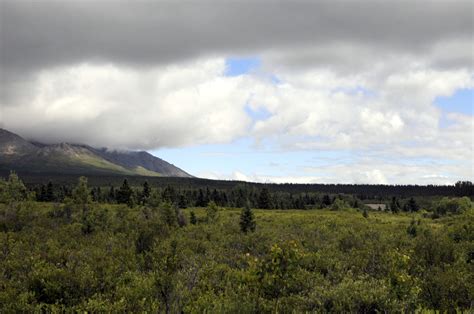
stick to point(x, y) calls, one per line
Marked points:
point(113, 258)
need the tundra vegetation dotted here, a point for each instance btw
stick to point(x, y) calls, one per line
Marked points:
point(132, 249)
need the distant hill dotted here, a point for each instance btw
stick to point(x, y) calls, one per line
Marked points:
point(26, 157)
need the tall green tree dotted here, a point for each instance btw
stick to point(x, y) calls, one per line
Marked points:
point(412, 205)
point(201, 199)
point(81, 195)
point(395, 205)
point(111, 197)
point(146, 192)
point(247, 220)
point(49, 192)
point(192, 218)
point(212, 212)
point(264, 201)
point(124, 194)
point(326, 201)
point(168, 214)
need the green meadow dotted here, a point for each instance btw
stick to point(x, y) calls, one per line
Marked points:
point(83, 256)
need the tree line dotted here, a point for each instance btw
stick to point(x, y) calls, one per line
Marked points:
point(362, 191)
point(256, 196)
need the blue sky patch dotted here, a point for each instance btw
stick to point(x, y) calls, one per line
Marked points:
point(462, 101)
point(240, 66)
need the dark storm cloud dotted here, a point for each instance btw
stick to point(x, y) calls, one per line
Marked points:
point(42, 34)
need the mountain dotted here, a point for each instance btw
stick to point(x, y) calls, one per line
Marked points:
point(24, 156)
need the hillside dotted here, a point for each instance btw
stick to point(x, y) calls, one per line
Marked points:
point(27, 157)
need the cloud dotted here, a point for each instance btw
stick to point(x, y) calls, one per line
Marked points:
point(106, 105)
point(364, 170)
point(307, 113)
point(194, 102)
point(41, 34)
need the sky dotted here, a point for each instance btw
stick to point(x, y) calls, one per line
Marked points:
point(268, 91)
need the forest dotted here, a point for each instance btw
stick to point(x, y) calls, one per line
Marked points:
point(243, 248)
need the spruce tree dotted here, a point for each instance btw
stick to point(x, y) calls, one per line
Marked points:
point(212, 212)
point(412, 230)
point(264, 199)
point(247, 221)
point(111, 197)
point(394, 205)
point(168, 214)
point(42, 194)
point(49, 192)
point(146, 189)
point(192, 218)
point(412, 206)
point(145, 192)
point(81, 195)
point(200, 200)
point(182, 201)
point(124, 193)
point(99, 194)
point(326, 200)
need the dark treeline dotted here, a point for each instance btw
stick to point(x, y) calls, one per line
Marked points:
point(363, 191)
point(264, 196)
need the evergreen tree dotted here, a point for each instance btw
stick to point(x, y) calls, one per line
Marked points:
point(192, 218)
point(124, 193)
point(240, 198)
point(224, 199)
point(207, 196)
point(394, 205)
point(94, 194)
point(264, 199)
point(215, 197)
point(132, 200)
point(247, 221)
point(412, 206)
point(182, 201)
point(145, 192)
point(111, 197)
point(81, 195)
point(169, 194)
point(168, 214)
point(201, 201)
point(412, 230)
point(99, 194)
point(42, 194)
point(326, 201)
point(212, 212)
point(49, 192)
point(155, 199)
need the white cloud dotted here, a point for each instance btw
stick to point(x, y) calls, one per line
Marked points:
point(361, 171)
point(194, 103)
point(108, 105)
point(386, 111)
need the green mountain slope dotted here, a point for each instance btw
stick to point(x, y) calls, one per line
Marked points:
point(22, 156)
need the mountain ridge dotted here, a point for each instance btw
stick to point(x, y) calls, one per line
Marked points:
point(24, 156)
